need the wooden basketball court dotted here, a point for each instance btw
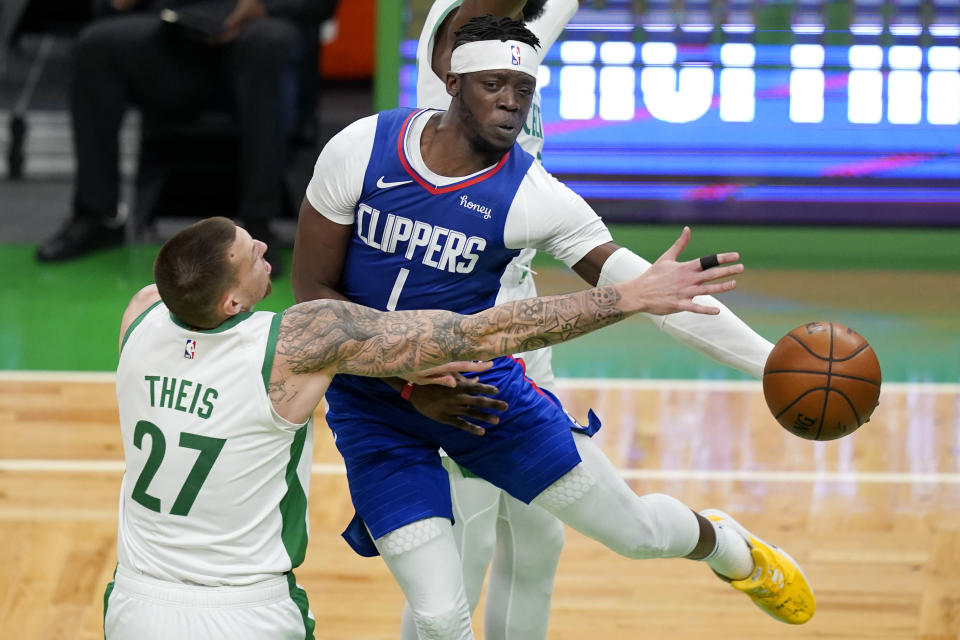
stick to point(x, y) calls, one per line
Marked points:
point(874, 518)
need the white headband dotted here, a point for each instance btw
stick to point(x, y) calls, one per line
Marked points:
point(487, 55)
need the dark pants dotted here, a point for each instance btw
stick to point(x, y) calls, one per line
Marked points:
point(136, 60)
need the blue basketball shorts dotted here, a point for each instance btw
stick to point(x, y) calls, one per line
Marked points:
point(390, 450)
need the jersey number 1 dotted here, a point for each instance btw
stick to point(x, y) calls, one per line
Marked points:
point(209, 449)
point(397, 287)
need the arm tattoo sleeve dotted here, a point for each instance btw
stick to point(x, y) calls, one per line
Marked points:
point(354, 339)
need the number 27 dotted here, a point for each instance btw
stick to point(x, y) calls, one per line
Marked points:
point(209, 449)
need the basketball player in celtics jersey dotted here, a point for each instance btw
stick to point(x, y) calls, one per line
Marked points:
point(412, 209)
point(216, 403)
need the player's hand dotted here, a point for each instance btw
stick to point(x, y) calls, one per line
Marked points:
point(123, 5)
point(462, 406)
point(669, 286)
point(443, 374)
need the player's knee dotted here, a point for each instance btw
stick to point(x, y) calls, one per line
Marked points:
point(452, 621)
point(549, 538)
point(660, 526)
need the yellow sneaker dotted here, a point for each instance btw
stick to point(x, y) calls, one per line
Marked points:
point(777, 584)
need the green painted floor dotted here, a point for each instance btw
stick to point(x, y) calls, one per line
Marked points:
point(899, 287)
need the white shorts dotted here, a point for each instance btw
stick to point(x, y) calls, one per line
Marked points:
point(142, 608)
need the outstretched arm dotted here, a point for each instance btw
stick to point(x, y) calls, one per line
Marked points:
point(724, 336)
point(359, 340)
point(328, 336)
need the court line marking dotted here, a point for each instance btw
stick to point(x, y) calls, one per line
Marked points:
point(642, 384)
point(58, 376)
point(609, 384)
point(713, 475)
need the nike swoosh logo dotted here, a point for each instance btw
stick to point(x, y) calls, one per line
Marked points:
point(386, 185)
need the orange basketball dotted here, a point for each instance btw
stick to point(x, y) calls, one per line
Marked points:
point(822, 381)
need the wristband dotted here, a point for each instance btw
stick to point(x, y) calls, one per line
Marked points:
point(407, 391)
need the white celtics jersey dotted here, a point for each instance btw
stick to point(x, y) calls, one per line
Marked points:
point(216, 483)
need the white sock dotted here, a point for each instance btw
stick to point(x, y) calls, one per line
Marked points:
point(731, 557)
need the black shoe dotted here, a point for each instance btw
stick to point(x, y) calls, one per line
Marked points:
point(78, 237)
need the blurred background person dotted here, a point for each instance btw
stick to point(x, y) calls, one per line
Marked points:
point(245, 56)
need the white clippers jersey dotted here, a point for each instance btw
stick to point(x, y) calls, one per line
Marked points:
point(216, 483)
point(432, 92)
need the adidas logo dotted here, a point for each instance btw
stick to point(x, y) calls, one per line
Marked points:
point(777, 576)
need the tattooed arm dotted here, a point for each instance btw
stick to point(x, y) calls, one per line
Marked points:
point(320, 338)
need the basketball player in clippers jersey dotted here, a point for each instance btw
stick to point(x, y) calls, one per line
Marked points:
point(216, 403)
point(524, 542)
point(426, 209)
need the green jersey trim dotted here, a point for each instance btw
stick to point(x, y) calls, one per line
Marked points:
point(230, 323)
point(293, 505)
point(271, 350)
point(466, 472)
point(299, 597)
point(106, 598)
point(137, 321)
point(452, 466)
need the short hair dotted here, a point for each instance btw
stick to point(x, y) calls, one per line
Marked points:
point(490, 27)
point(533, 9)
point(193, 271)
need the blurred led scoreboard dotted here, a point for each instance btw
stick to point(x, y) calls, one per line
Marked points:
point(672, 115)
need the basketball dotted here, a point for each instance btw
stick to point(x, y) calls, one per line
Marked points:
point(822, 381)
